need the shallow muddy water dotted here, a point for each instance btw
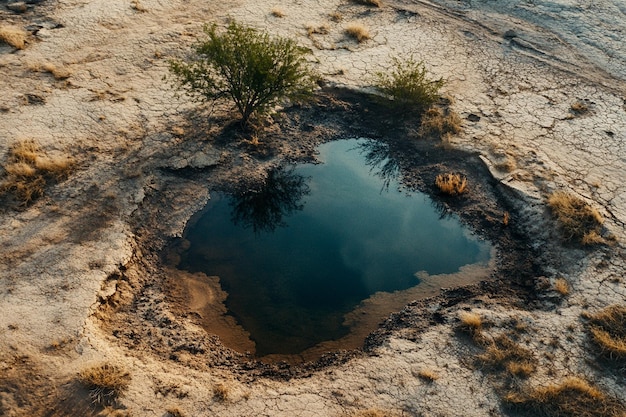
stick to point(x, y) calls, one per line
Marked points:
point(299, 252)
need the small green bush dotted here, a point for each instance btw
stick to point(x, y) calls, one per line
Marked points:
point(407, 85)
point(247, 67)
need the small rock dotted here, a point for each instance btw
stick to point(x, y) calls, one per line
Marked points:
point(509, 34)
point(19, 7)
point(473, 117)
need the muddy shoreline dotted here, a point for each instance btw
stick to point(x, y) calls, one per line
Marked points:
point(340, 113)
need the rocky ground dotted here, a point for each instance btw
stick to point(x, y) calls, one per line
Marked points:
point(86, 274)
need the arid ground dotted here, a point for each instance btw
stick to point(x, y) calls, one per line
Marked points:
point(103, 164)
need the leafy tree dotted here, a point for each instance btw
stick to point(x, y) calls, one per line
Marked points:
point(247, 67)
point(407, 85)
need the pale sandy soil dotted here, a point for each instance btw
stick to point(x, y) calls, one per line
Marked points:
point(80, 282)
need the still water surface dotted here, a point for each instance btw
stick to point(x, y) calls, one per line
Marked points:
point(299, 251)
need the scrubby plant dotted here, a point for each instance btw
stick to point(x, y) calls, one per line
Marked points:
point(277, 12)
point(407, 85)
point(608, 331)
point(247, 67)
point(105, 382)
point(428, 375)
point(577, 219)
point(13, 36)
point(221, 392)
point(358, 31)
point(561, 286)
point(28, 169)
point(573, 397)
point(451, 184)
point(439, 122)
point(503, 354)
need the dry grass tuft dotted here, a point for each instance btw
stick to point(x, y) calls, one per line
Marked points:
point(503, 354)
point(608, 331)
point(438, 122)
point(57, 73)
point(451, 184)
point(472, 324)
point(336, 16)
point(105, 382)
point(579, 107)
point(375, 3)
point(312, 29)
point(428, 375)
point(174, 412)
point(561, 286)
point(221, 392)
point(136, 5)
point(277, 12)
point(358, 31)
point(506, 218)
point(574, 397)
point(28, 170)
point(577, 219)
point(13, 36)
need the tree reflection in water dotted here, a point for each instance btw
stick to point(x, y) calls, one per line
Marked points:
point(263, 206)
point(378, 157)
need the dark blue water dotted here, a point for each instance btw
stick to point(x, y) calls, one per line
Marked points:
point(299, 250)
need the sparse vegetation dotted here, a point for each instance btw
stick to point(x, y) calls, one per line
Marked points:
point(174, 412)
point(608, 331)
point(472, 324)
point(561, 286)
point(451, 184)
point(438, 122)
point(503, 354)
point(408, 86)
point(277, 12)
point(573, 397)
point(59, 73)
point(358, 31)
point(28, 169)
point(579, 107)
point(13, 36)
point(506, 218)
point(427, 375)
point(312, 29)
point(246, 67)
point(577, 219)
point(336, 16)
point(105, 382)
point(221, 392)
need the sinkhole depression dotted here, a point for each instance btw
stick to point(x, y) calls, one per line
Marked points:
point(297, 254)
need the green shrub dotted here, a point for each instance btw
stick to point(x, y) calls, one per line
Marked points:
point(408, 86)
point(247, 67)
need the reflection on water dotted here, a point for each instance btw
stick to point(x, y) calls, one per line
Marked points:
point(264, 206)
point(307, 246)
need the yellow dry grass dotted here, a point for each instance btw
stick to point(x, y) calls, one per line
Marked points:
point(221, 392)
point(277, 12)
point(358, 31)
point(576, 218)
point(13, 35)
point(608, 331)
point(105, 382)
point(28, 169)
point(439, 122)
point(574, 397)
point(503, 354)
point(451, 184)
point(428, 375)
point(561, 286)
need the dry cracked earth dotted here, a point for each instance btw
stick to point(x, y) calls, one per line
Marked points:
point(541, 90)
